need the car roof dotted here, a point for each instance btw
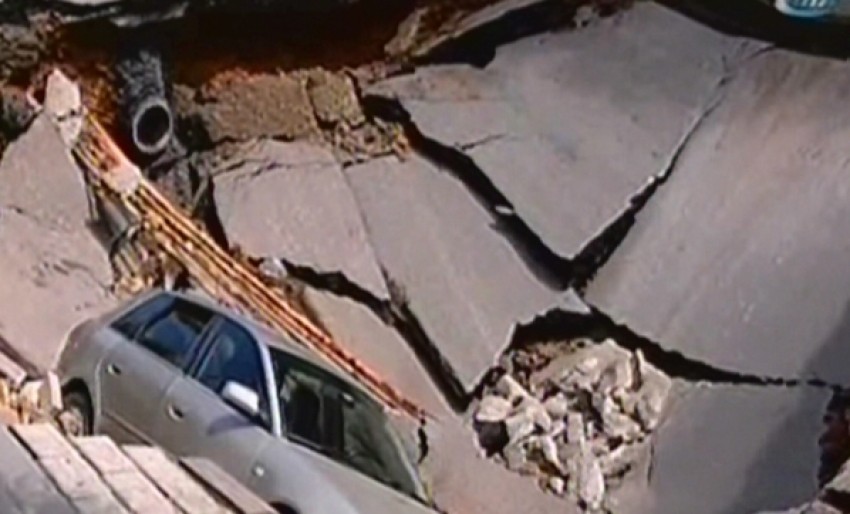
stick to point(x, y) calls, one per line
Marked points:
point(266, 335)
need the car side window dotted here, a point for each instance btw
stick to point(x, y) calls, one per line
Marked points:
point(302, 398)
point(174, 333)
point(132, 322)
point(234, 356)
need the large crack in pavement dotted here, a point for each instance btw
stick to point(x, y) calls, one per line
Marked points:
point(396, 314)
point(478, 45)
point(549, 267)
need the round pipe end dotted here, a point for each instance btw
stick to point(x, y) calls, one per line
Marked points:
point(152, 126)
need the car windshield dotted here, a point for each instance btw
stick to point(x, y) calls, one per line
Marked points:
point(330, 416)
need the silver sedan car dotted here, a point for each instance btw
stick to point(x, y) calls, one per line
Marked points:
point(196, 379)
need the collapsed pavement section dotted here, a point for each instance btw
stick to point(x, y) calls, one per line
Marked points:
point(55, 271)
point(576, 416)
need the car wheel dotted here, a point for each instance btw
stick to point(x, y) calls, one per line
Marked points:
point(76, 418)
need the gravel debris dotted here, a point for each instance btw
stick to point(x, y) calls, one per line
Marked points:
point(579, 421)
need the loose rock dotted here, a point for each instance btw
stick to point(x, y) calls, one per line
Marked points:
point(519, 426)
point(557, 406)
point(493, 409)
point(64, 102)
point(510, 389)
point(591, 481)
point(575, 428)
point(556, 485)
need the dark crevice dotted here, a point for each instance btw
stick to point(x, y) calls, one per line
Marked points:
point(599, 250)
point(550, 268)
point(478, 46)
point(205, 208)
point(395, 313)
point(559, 325)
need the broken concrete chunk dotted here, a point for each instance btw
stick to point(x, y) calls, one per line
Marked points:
point(590, 481)
point(558, 428)
point(617, 375)
point(64, 103)
point(652, 398)
point(619, 460)
point(549, 451)
point(556, 485)
point(557, 406)
point(615, 424)
point(519, 426)
point(516, 457)
point(493, 409)
point(436, 242)
point(267, 202)
point(508, 387)
point(541, 418)
point(575, 428)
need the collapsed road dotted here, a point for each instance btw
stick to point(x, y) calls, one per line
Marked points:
point(464, 196)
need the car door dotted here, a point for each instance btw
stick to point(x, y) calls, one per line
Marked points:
point(137, 371)
point(195, 420)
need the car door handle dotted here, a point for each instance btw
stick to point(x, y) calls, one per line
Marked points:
point(112, 369)
point(174, 413)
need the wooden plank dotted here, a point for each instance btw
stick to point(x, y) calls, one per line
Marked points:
point(172, 480)
point(81, 484)
point(122, 476)
point(99, 505)
point(24, 488)
point(103, 454)
point(138, 493)
point(238, 496)
point(73, 476)
point(43, 440)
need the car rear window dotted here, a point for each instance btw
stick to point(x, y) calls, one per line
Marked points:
point(174, 334)
point(132, 322)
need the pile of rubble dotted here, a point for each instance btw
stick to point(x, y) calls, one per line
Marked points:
point(580, 423)
point(27, 400)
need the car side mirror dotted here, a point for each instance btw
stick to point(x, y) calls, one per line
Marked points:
point(242, 398)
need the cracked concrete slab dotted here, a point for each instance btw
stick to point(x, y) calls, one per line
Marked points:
point(735, 449)
point(463, 281)
point(55, 273)
point(379, 346)
point(576, 122)
point(290, 200)
point(465, 481)
point(740, 260)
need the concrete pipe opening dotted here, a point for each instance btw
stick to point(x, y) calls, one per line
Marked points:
point(152, 126)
